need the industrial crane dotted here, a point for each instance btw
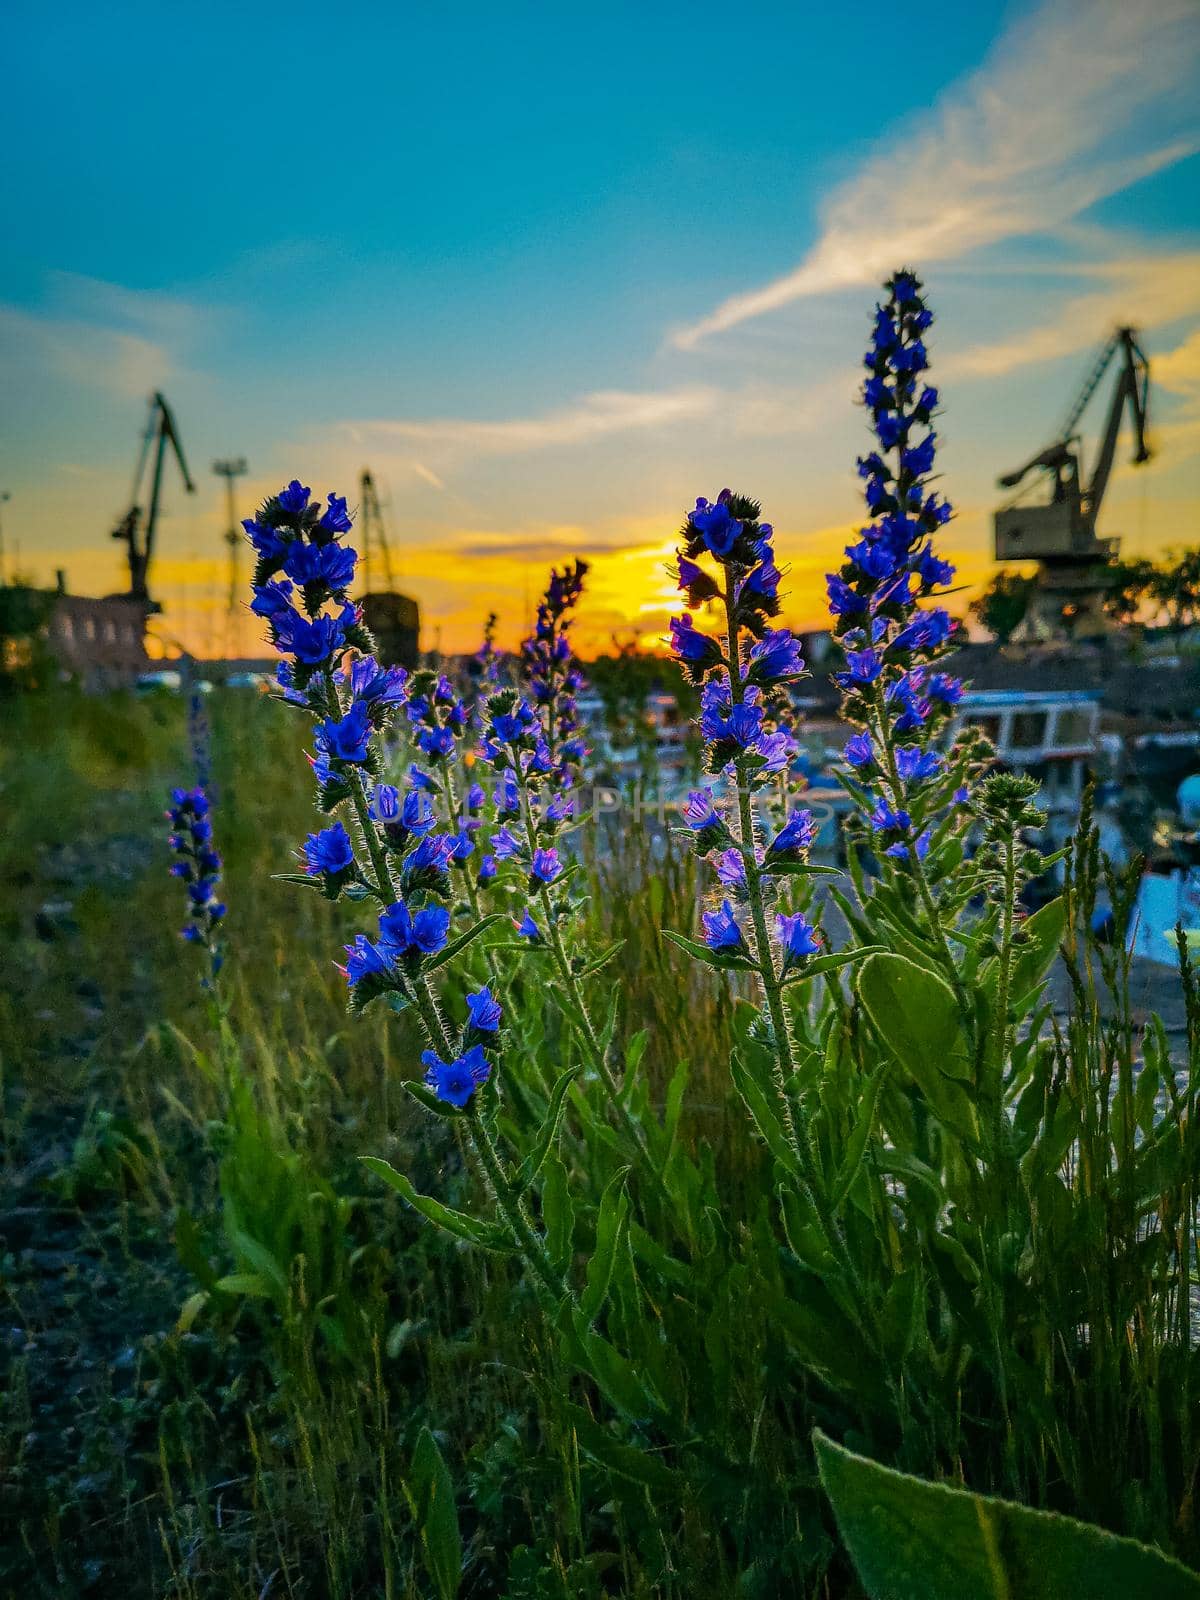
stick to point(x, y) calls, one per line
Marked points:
point(160, 432)
point(374, 535)
point(394, 619)
point(1063, 529)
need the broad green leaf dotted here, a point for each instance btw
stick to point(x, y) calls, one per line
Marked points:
point(914, 1540)
point(1041, 935)
point(431, 1496)
point(473, 1229)
point(617, 1378)
point(915, 1013)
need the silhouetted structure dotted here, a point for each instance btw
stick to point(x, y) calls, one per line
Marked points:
point(394, 618)
point(138, 536)
point(1060, 534)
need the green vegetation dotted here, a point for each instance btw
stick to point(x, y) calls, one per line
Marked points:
point(238, 1364)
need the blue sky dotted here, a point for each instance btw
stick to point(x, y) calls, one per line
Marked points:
point(553, 276)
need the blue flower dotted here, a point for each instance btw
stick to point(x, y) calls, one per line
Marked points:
point(310, 642)
point(528, 929)
point(376, 685)
point(328, 851)
point(402, 932)
point(507, 796)
point(700, 813)
point(267, 544)
point(863, 667)
point(428, 862)
point(273, 599)
point(715, 525)
point(456, 1081)
point(483, 1011)
point(797, 937)
point(346, 738)
point(462, 846)
point(731, 868)
point(796, 836)
point(545, 867)
point(505, 844)
point(900, 850)
point(945, 688)
point(721, 931)
point(776, 656)
point(487, 869)
point(745, 725)
point(363, 959)
point(691, 646)
point(294, 499)
point(885, 820)
point(336, 518)
point(915, 765)
point(859, 751)
point(560, 808)
point(843, 600)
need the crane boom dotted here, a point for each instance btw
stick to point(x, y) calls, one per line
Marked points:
point(161, 431)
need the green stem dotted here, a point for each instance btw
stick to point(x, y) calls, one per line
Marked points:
point(424, 999)
point(512, 1209)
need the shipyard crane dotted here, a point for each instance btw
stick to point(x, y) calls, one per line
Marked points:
point(374, 535)
point(138, 535)
point(1064, 527)
point(393, 618)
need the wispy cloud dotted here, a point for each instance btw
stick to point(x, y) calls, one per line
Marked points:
point(592, 416)
point(1145, 291)
point(102, 335)
point(1038, 134)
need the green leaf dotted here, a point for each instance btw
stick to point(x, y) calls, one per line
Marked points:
point(763, 1115)
point(913, 1540)
point(461, 943)
point(473, 1229)
point(601, 961)
point(431, 1497)
point(623, 1459)
point(1041, 937)
point(820, 965)
point(916, 1015)
point(856, 1144)
point(540, 1149)
point(558, 1213)
point(618, 1378)
point(711, 958)
point(249, 1283)
point(424, 1095)
point(612, 1221)
point(799, 869)
point(635, 1049)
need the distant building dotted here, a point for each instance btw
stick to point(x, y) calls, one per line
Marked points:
point(98, 643)
point(395, 620)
